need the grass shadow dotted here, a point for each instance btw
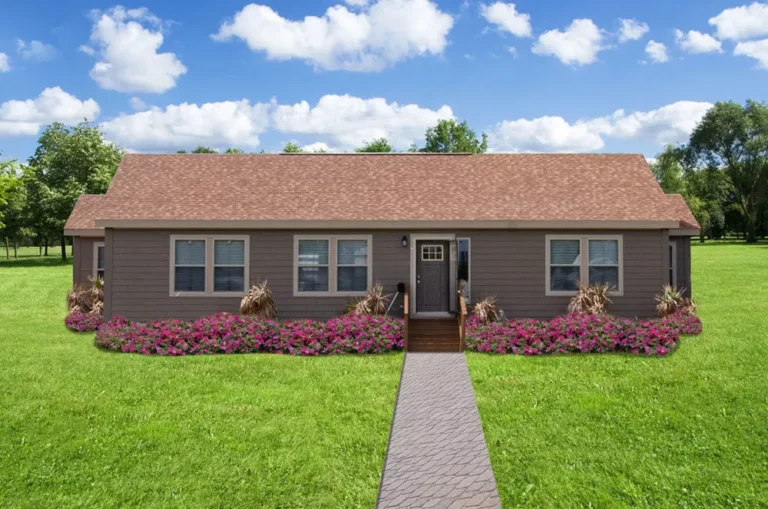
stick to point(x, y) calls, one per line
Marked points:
point(36, 261)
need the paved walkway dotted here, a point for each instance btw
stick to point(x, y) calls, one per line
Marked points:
point(437, 455)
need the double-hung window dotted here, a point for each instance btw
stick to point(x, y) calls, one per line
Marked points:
point(332, 265)
point(591, 259)
point(98, 260)
point(215, 265)
point(672, 253)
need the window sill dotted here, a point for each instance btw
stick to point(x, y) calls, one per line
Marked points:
point(329, 294)
point(574, 293)
point(205, 294)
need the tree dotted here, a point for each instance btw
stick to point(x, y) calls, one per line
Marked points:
point(69, 161)
point(204, 150)
point(12, 204)
point(292, 148)
point(668, 170)
point(377, 145)
point(233, 150)
point(450, 136)
point(735, 138)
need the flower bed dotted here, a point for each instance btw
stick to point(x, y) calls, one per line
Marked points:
point(83, 322)
point(581, 333)
point(226, 333)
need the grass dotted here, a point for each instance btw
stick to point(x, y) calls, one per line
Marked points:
point(688, 430)
point(80, 427)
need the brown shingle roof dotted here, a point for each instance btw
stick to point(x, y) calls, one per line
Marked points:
point(83, 216)
point(384, 187)
point(679, 207)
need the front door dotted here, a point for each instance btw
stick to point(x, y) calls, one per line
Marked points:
point(432, 263)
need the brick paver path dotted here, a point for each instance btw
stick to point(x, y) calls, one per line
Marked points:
point(437, 455)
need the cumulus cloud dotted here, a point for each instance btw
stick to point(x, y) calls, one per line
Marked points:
point(754, 49)
point(579, 44)
point(127, 44)
point(696, 42)
point(740, 23)
point(657, 52)
point(349, 121)
point(137, 104)
point(507, 19)
point(35, 51)
point(669, 124)
point(19, 118)
point(5, 63)
point(377, 37)
point(320, 146)
point(632, 30)
point(218, 124)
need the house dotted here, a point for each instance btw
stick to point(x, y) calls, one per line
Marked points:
point(185, 235)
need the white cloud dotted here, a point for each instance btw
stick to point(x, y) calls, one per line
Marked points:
point(657, 52)
point(754, 49)
point(19, 118)
point(543, 134)
point(506, 18)
point(5, 63)
point(632, 30)
point(36, 51)
point(320, 146)
point(379, 36)
point(578, 45)
point(219, 124)
point(669, 124)
point(743, 22)
point(137, 104)
point(356, 3)
point(512, 51)
point(128, 52)
point(87, 50)
point(349, 121)
point(696, 42)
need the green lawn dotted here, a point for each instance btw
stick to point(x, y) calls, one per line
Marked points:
point(80, 427)
point(688, 430)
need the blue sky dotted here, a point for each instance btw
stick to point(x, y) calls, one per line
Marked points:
point(159, 77)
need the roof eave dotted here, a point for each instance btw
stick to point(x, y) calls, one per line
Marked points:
point(154, 224)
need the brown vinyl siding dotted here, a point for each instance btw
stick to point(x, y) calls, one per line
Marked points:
point(82, 258)
point(683, 263)
point(508, 264)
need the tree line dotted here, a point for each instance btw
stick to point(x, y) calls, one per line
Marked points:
point(722, 172)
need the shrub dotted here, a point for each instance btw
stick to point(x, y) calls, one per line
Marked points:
point(259, 301)
point(226, 333)
point(592, 300)
point(580, 333)
point(373, 303)
point(87, 298)
point(486, 310)
point(672, 300)
point(83, 322)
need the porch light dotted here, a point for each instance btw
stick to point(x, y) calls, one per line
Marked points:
point(404, 241)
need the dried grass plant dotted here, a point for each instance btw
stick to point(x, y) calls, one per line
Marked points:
point(259, 301)
point(591, 299)
point(487, 310)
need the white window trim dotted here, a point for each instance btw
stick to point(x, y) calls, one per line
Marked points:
point(332, 265)
point(469, 264)
point(209, 259)
point(673, 266)
point(584, 268)
point(96, 246)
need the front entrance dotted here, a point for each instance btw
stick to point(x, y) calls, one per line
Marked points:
point(432, 281)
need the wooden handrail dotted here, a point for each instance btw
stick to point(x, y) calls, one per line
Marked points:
point(406, 314)
point(462, 320)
